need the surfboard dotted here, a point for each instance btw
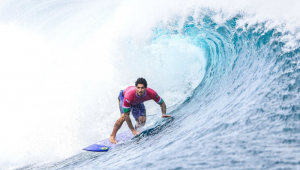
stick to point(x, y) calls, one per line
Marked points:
point(105, 145)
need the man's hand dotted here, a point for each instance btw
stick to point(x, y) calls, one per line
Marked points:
point(135, 132)
point(164, 110)
point(165, 116)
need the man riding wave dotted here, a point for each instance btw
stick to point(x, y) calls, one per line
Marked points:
point(132, 99)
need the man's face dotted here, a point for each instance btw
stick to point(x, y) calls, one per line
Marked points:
point(140, 89)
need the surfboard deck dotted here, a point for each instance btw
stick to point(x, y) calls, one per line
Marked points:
point(105, 145)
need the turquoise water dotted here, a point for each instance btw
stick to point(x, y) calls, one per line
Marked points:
point(238, 86)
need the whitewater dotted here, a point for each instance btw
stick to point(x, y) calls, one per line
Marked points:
point(227, 71)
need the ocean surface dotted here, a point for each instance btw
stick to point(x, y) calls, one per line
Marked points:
point(229, 73)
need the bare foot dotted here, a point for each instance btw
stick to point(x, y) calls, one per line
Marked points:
point(112, 139)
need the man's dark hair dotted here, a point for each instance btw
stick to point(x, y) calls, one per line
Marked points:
point(141, 81)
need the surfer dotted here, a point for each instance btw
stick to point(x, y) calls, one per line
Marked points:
point(131, 99)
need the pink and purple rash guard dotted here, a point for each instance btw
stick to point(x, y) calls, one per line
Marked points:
point(131, 98)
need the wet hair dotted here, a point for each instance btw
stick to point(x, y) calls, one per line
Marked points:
point(141, 81)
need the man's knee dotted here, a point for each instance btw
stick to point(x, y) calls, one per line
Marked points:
point(142, 119)
point(122, 118)
point(125, 116)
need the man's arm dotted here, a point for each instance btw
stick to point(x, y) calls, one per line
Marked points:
point(164, 110)
point(129, 123)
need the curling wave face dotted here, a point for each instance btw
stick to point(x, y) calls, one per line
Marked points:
point(245, 112)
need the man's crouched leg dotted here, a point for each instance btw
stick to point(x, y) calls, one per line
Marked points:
point(117, 126)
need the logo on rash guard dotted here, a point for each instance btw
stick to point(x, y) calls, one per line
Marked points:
point(156, 95)
point(127, 100)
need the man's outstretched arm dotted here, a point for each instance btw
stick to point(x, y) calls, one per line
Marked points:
point(164, 110)
point(118, 124)
point(129, 123)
